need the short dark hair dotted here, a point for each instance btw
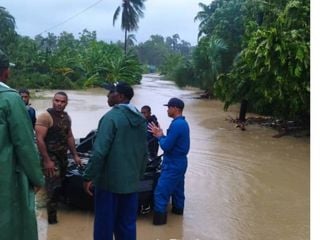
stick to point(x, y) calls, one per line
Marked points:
point(24, 90)
point(61, 93)
point(146, 107)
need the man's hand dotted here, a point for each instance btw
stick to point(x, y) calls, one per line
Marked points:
point(88, 187)
point(49, 168)
point(155, 130)
point(77, 160)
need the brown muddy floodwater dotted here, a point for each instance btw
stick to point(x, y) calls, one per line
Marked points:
point(240, 185)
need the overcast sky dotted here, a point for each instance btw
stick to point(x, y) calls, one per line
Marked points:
point(163, 17)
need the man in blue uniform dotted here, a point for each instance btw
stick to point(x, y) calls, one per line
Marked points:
point(175, 147)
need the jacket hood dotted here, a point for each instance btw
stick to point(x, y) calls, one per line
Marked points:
point(5, 88)
point(133, 115)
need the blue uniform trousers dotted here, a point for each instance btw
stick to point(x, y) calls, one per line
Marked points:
point(170, 184)
point(115, 214)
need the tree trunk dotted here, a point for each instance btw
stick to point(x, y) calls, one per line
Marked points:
point(243, 110)
point(125, 41)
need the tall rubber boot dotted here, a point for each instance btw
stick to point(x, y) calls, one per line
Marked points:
point(52, 206)
point(159, 218)
point(52, 217)
point(177, 211)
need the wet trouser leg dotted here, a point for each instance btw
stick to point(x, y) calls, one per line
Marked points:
point(178, 194)
point(53, 196)
point(53, 185)
point(170, 182)
point(115, 214)
point(126, 217)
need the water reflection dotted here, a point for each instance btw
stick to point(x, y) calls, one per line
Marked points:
point(239, 185)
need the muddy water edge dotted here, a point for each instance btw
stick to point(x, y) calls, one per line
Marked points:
point(240, 185)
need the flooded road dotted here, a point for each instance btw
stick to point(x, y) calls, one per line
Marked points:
point(240, 185)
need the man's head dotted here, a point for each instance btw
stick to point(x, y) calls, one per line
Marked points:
point(4, 67)
point(175, 107)
point(146, 111)
point(25, 95)
point(119, 93)
point(60, 101)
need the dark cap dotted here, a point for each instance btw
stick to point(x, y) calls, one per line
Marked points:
point(120, 87)
point(4, 60)
point(175, 102)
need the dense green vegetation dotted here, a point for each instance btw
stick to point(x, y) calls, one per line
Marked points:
point(256, 51)
point(64, 61)
point(248, 51)
point(67, 62)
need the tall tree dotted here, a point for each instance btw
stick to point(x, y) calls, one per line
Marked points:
point(204, 16)
point(131, 12)
point(273, 71)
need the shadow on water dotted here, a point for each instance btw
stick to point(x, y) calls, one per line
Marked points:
point(239, 185)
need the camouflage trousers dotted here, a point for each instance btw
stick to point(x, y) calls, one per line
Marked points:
point(53, 184)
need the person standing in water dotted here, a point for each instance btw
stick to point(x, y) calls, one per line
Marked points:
point(117, 164)
point(175, 146)
point(20, 170)
point(25, 95)
point(54, 139)
point(153, 145)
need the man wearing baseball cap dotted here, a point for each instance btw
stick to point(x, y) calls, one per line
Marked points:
point(175, 146)
point(120, 87)
point(117, 164)
point(20, 171)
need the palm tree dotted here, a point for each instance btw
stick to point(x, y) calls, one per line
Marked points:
point(204, 16)
point(7, 29)
point(131, 12)
point(131, 39)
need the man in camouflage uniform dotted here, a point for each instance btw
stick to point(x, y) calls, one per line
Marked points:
point(54, 138)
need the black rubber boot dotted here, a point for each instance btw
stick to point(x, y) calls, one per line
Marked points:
point(159, 218)
point(177, 211)
point(52, 213)
point(52, 218)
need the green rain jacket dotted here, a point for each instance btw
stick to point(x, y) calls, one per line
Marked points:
point(119, 154)
point(19, 169)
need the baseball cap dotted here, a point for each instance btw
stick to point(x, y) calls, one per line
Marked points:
point(175, 102)
point(120, 87)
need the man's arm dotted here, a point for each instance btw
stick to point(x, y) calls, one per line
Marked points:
point(48, 164)
point(168, 142)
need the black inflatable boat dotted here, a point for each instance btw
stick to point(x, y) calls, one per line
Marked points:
point(74, 194)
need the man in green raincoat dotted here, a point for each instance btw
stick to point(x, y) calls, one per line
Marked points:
point(20, 170)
